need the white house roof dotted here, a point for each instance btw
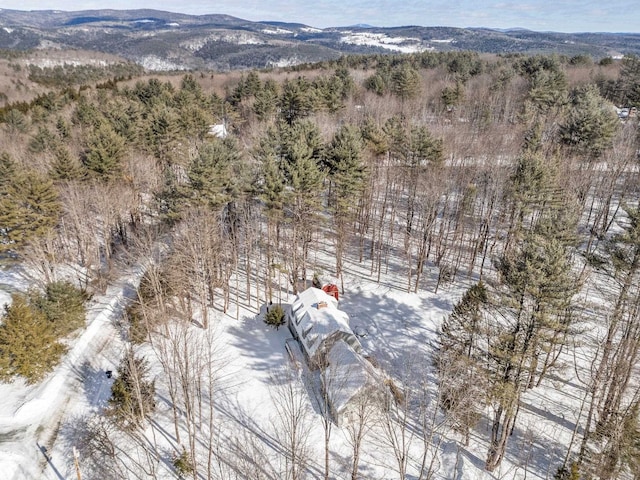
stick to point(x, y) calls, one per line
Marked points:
point(315, 316)
point(346, 375)
point(314, 295)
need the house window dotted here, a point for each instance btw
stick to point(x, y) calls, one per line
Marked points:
point(297, 313)
point(306, 331)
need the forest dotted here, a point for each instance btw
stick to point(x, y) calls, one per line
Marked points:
point(510, 182)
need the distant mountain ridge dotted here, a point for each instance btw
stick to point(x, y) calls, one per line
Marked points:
point(166, 41)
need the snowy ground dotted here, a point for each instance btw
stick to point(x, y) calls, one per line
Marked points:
point(399, 331)
point(31, 415)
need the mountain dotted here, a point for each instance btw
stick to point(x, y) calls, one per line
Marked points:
point(161, 40)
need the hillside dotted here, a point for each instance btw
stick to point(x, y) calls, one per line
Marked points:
point(168, 41)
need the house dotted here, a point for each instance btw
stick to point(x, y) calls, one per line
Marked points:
point(316, 322)
point(349, 383)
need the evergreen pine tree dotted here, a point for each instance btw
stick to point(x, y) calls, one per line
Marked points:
point(460, 360)
point(591, 123)
point(215, 174)
point(104, 153)
point(296, 100)
point(16, 122)
point(64, 167)
point(405, 81)
point(347, 172)
point(29, 346)
point(63, 305)
point(132, 394)
point(29, 207)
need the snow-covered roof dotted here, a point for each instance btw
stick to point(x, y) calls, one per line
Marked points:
point(315, 316)
point(346, 375)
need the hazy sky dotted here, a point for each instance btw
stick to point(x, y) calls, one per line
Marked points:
point(556, 15)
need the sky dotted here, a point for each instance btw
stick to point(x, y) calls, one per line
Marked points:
point(540, 15)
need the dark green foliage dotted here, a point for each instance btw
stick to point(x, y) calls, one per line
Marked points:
point(8, 169)
point(64, 167)
point(29, 208)
point(273, 186)
point(459, 360)
point(63, 128)
point(376, 83)
point(529, 184)
point(138, 325)
point(346, 169)
point(68, 74)
point(274, 316)
point(17, 122)
point(264, 104)
point(42, 141)
point(183, 464)
point(581, 60)
point(332, 91)
point(104, 153)
point(162, 131)
point(548, 89)
point(63, 304)
point(86, 114)
point(125, 117)
point(630, 81)
point(414, 145)
point(591, 123)
point(625, 246)
point(132, 394)
point(153, 92)
point(154, 285)
point(452, 96)
point(297, 100)
point(405, 82)
point(215, 174)
point(568, 473)
point(531, 65)
point(464, 65)
point(29, 346)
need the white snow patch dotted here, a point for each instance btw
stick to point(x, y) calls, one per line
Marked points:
point(146, 20)
point(276, 31)
point(444, 40)
point(311, 30)
point(238, 38)
point(382, 40)
point(218, 130)
point(7, 29)
point(55, 62)
point(10, 463)
point(285, 62)
point(152, 62)
point(173, 24)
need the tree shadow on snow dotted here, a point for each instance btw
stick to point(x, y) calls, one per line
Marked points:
point(262, 344)
point(96, 383)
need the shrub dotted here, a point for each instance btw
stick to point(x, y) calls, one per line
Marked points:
point(274, 316)
point(183, 464)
